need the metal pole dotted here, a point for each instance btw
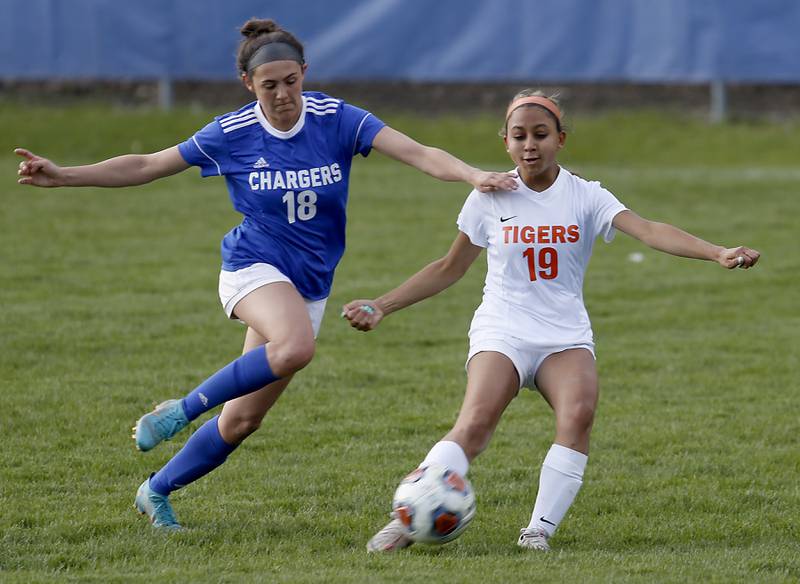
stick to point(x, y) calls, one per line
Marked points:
point(719, 102)
point(165, 94)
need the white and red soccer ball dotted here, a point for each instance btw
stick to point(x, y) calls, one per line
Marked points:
point(435, 504)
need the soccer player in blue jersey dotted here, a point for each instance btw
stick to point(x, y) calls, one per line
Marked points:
point(286, 160)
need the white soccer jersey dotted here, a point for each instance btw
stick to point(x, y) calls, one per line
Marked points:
point(538, 248)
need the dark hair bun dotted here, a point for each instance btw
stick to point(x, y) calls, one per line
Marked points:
point(258, 26)
point(260, 31)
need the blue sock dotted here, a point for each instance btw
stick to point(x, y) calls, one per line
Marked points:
point(203, 452)
point(244, 375)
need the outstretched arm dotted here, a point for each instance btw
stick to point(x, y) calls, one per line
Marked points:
point(429, 281)
point(669, 239)
point(122, 171)
point(438, 163)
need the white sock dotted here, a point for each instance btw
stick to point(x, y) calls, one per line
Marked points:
point(559, 482)
point(450, 455)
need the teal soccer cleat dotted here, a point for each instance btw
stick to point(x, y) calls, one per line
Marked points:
point(156, 507)
point(161, 424)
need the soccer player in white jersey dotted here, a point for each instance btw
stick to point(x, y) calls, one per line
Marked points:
point(531, 329)
point(286, 160)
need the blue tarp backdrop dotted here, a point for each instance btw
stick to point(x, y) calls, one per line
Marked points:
point(416, 40)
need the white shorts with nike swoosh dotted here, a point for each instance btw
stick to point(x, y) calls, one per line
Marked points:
point(526, 356)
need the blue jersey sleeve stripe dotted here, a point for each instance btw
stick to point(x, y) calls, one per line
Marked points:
point(326, 101)
point(358, 132)
point(234, 119)
point(320, 112)
point(322, 106)
point(242, 125)
point(226, 123)
point(207, 156)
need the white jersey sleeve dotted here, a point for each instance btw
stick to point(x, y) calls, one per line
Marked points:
point(472, 219)
point(604, 206)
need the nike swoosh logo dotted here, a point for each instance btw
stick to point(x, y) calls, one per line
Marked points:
point(504, 219)
point(543, 520)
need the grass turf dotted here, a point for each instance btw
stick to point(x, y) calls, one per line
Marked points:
point(109, 305)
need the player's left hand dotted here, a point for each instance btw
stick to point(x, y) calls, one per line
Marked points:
point(738, 257)
point(362, 314)
point(488, 182)
point(38, 171)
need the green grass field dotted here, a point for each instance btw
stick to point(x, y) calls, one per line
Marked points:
point(109, 304)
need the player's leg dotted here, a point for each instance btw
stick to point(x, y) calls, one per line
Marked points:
point(211, 444)
point(204, 450)
point(276, 311)
point(242, 416)
point(568, 381)
point(492, 382)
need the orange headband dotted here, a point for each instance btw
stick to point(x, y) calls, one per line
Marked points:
point(545, 102)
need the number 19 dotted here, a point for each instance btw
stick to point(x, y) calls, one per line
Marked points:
point(548, 263)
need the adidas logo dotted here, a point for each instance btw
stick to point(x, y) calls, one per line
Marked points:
point(203, 399)
point(261, 163)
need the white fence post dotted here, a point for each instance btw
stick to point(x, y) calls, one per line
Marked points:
point(165, 94)
point(719, 102)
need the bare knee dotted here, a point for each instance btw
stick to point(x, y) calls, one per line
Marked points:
point(236, 428)
point(473, 435)
point(577, 418)
point(287, 357)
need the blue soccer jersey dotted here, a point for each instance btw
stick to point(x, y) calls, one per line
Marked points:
point(291, 186)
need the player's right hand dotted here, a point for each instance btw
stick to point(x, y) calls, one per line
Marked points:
point(38, 171)
point(489, 182)
point(363, 315)
point(738, 257)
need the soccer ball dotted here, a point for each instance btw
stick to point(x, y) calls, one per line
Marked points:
point(435, 504)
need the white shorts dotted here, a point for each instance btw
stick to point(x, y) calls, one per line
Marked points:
point(233, 286)
point(526, 357)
